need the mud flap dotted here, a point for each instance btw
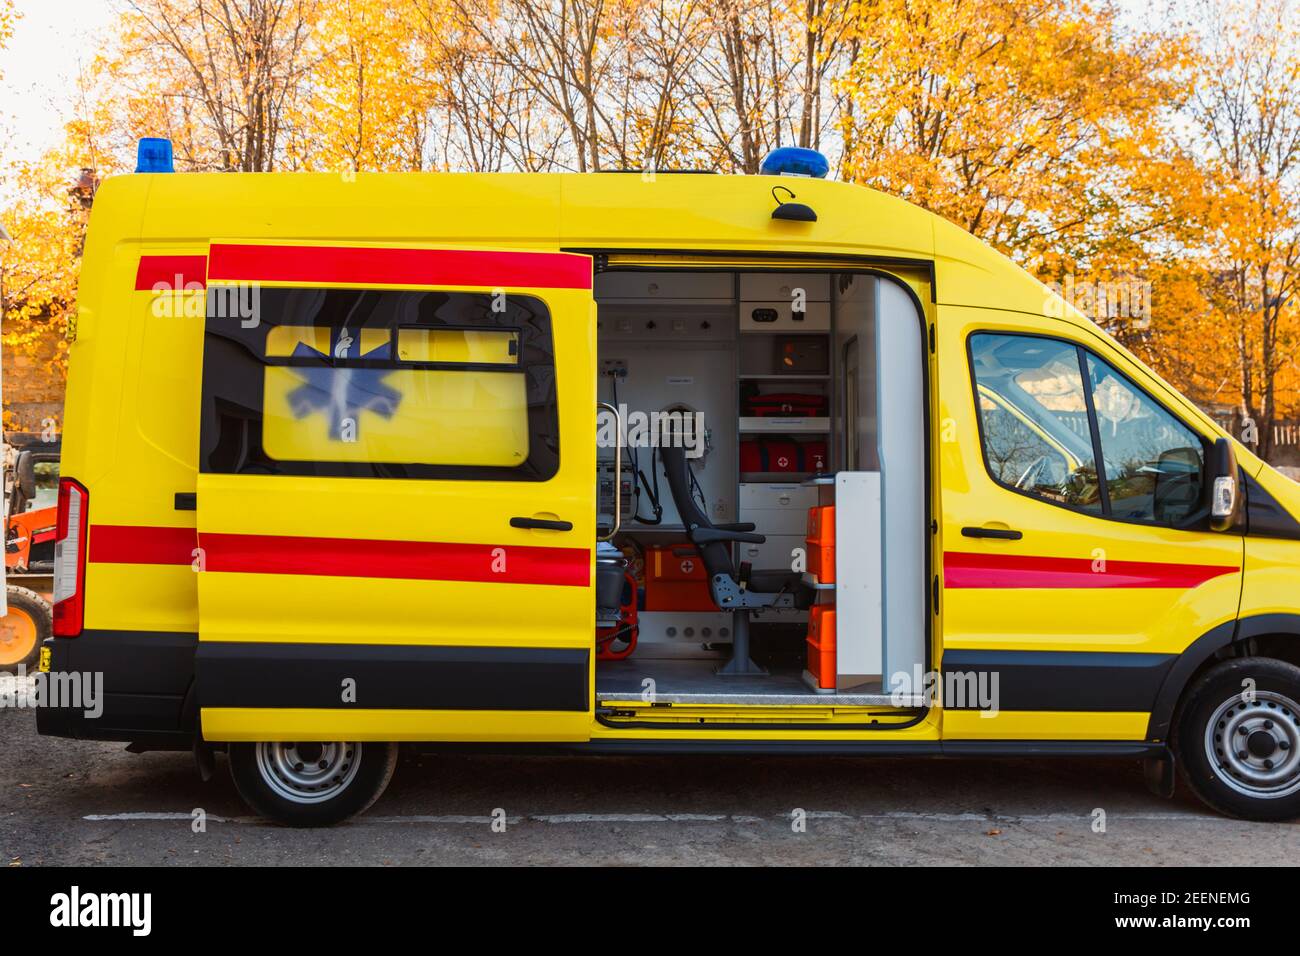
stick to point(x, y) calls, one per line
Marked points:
point(205, 759)
point(1158, 772)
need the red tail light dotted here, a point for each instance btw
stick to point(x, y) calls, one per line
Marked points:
point(70, 558)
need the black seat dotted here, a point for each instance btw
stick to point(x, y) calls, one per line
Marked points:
point(735, 588)
point(772, 581)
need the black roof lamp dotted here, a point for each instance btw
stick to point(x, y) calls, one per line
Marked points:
point(791, 211)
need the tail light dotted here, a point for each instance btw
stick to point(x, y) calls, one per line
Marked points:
point(70, 558)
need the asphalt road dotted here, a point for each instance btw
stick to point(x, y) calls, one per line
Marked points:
point(76, 803)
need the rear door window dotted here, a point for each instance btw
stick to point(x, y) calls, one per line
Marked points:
point(382, 383)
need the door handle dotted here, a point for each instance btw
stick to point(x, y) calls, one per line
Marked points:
point(1005, 534)
point(542, 524)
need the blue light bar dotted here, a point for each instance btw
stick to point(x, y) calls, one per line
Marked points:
point(795, 161)
point(154, 155)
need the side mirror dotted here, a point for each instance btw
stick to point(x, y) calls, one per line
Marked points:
point(1177, 492)
point(25, 475)
point(1225, 495)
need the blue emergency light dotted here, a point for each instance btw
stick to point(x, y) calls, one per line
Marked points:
point(795, 161)
point(154, 155)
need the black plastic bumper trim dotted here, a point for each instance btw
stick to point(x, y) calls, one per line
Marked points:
point(391, 677)
point(1066, 680)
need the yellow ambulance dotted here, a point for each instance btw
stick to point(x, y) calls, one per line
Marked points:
point(639, 463)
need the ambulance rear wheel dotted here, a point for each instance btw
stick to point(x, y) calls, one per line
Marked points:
point(1238, 738)
point(22, 630)
point(311, 784)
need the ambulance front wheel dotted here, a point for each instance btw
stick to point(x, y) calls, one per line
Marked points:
point(311, 784)
point(1238, 738)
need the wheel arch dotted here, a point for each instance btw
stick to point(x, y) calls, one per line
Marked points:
point(1262, 635)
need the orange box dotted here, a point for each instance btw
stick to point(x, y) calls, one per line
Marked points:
point(821, 526)
point(821, 664)
point(821, 543)
point(821, 563)
point(821, 625)
point(675, 580)
point(821, 645)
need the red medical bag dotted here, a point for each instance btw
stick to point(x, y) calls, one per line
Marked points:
point(784, 405)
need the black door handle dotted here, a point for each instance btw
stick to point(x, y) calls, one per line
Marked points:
point(541, 523)
point(1005, 533)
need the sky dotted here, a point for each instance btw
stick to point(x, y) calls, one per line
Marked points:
point(52, 40)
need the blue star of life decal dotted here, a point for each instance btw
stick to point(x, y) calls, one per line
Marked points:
point(342, 393)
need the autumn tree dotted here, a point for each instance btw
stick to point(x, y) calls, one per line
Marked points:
point(221, 75)
point(1011, 120)
point(369, 102)
point(1081, 145)
point(1246, 111)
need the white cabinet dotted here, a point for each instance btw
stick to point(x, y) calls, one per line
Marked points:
point(775, 554)
point(784, 286)
point(777, 509)
point(671, 286)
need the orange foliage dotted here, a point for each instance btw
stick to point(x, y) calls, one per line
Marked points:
point(1156, 167)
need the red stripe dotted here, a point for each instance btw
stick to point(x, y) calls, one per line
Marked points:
point(343, 557)
point(171, 272)
point(372, 266)
point(134, 544)
point(409, 560)
point(963, 569)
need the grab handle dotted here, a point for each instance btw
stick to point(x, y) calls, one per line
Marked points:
point(618, 471)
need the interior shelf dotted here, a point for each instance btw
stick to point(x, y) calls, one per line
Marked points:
point(812, 582)
point(793, 377)
point(774, 424)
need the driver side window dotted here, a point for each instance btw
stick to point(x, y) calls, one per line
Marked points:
point(1153, 461)
point(1033, 414)
point(1049, 410)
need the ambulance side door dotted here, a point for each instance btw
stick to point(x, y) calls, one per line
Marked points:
point(396, 498)
point(1075, 566)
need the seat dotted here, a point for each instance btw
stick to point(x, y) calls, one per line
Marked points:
point(774, 581)
point(735, 588)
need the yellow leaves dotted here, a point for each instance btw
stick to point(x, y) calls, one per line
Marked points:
point(370, 93)
point(38, 268)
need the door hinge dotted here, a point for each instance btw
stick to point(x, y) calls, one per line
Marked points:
point(936, 593)
point(187, 501)
point(932, 338)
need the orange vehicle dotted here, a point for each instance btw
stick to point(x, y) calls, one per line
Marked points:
point(31, 480)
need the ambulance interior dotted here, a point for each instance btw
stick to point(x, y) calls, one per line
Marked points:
point(763, 524)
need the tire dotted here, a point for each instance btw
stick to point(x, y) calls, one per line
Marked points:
point(28, 623)
point(1258, 777)
point(311, 784)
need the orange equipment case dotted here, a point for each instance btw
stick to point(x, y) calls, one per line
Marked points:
point(675, 579)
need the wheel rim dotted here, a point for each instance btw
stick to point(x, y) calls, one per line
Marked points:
point(17, 637)
point(1254, 745)
point(308, 772)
